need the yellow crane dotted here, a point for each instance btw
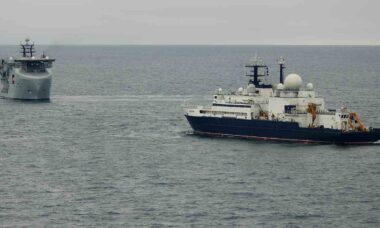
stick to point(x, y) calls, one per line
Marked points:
point(312, 109)
point(353, 120)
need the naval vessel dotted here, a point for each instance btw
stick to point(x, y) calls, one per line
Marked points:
point(289, 111)
point(27, 77)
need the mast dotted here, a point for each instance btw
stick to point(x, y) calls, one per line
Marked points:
point(27, 49)
point(281, 62)
point(256, 70)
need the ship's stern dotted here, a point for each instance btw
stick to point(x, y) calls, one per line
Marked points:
point(358, 137)
point(377, 134)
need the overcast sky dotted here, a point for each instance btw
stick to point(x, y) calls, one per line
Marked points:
point(191, 21)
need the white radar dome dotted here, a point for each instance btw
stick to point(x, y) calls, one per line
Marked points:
point(280, 86)
point(293, 82)
point(310, 86)
point(240, 89)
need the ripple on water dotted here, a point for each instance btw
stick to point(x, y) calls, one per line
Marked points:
point(113, 149)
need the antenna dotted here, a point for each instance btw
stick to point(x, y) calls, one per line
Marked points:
point(281, 62)
point(256, 60)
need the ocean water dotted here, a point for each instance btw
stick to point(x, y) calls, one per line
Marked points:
point(113, 149)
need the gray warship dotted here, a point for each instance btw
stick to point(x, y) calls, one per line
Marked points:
point(27, 77)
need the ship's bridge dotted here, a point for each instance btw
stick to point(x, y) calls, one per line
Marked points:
point(34, 65)
point(29, 63)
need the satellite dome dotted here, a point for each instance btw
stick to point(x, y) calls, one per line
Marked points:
point(309, 86)
point(280, 86)
point(240, 89)
point(293, 82)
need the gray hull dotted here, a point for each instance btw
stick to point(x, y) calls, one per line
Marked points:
point(26, 86)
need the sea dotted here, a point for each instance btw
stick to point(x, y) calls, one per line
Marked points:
point(112, 147)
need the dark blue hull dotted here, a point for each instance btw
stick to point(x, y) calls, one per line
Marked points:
point(276, 130)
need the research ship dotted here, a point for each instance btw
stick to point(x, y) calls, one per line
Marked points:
point(289, 111)
point(27, 77)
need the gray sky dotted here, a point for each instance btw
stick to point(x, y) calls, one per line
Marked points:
point(191, 21)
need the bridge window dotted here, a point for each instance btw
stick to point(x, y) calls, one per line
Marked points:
point(34, 67)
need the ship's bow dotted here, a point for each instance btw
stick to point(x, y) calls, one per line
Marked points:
point(31, 87)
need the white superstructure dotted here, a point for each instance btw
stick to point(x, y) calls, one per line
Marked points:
point(290, 101)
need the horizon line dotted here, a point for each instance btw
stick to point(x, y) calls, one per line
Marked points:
point(190, 44)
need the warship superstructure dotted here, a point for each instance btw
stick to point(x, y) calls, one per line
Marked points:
point(289, 111)
point(27, 77)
